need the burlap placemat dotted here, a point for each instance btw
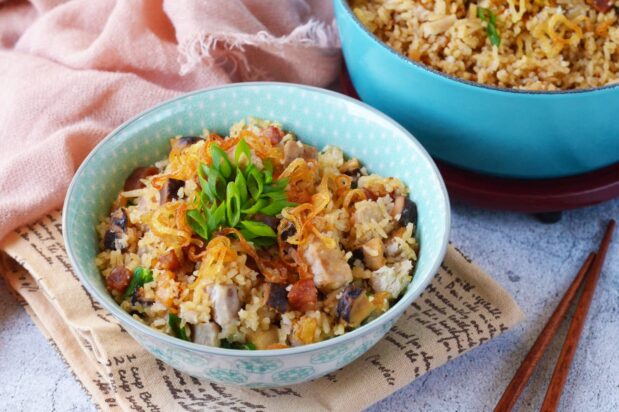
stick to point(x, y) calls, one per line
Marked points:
point(461, 309)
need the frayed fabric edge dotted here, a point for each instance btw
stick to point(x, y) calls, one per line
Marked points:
point(227, 49)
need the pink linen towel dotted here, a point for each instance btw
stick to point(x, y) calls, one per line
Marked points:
point(71, 71)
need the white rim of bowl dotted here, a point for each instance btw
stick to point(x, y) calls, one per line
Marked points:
point(471, 83)
point(392, 312)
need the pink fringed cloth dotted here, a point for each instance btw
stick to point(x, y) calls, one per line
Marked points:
point(72, 71)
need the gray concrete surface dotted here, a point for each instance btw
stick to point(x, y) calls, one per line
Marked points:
point(534, 262)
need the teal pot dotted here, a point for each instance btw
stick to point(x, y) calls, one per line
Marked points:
point(491, 130)
point(319, 117)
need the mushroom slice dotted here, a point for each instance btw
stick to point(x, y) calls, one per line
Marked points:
point(169, 191)
point(406, 209)
point(354, 306)
point(277, 296)
point(119, 218)
point(186, 141)
point(115, 238)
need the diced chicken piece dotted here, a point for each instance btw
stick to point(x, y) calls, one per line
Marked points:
point(392, 245)
point(225, 303)
point(432, 28)
point(329, 266)
point(373, 254)
point(331, 159)
point(366, 211)
point(294, 150)
point(206, 334)
point(379, 186)
point(392, 279)
point(372, 219)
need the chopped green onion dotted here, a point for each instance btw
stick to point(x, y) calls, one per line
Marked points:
point(487, 16)
point(220, 160)
point(216, 184)
point(217, 217)
point(276, 207)
point(175, 324)
point(241, 184)
point(275, 195)
point(233, 204)
point(254, 182)
point(268, 171)
point(197, 223)
point(202, 176)
point(255, 208)
point(225, 343)
point(258, 229)
point(228, 194)
point(140, 277)
point(242, 148)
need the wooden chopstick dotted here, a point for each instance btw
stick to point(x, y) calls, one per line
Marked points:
point(524, 372)
point(562, 368)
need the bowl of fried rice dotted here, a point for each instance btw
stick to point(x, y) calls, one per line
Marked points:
point(258, 234)
point(520, 88)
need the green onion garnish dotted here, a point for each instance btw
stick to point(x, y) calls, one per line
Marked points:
point(487, 16)
point(225, 343)
point(229, 194)
point(140, 277)
point(175, 324)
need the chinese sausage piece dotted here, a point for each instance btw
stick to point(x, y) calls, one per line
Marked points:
point(118, 279)
point(134, 181)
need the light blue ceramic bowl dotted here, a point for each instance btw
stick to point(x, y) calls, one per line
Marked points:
point(485, 129)
point(319, 117)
